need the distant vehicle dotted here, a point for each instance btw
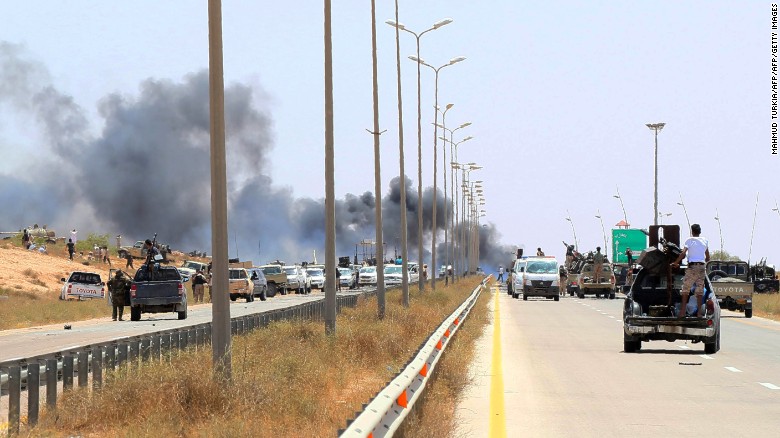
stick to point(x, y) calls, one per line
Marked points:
point(367, 276)
point(541, 278)
point(317, 276)
point(259, 282)
point(347, 278)
point(516, 275)
point(161, 290)
point(443, 270)
point(651, 311)
point(297, 279)
point(764, 277)
point(138, 251)
point(393, 275)
point(604, 285)
point(276, 278)
point(188, 268)
point(731, 284)
point(239, 285)
point(82, 286)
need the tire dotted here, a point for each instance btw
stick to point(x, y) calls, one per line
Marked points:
point(713, 347)
point(250, 297)
point(716, 275)
point(749, 313)
point(233, 297)
point(630, 346)
point(580, 295)
point(612, 296)
point(525, 297)
point(557, 298)
point(182, 314)
point(598, 295)
point(135, 313)
point(271, 290)
point(284, 291)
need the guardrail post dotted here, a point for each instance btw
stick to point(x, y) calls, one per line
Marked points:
point(208, 332)
point(184, 339)
point(111, 357)
point(51, 383)
point(14, 398)
point(165, 346)
point(145, 349)
point(155, 347)
point(233, 327)
point(132, 357)
point(33, 392)
point(199, 337)
point(97, 367)
point(122, 356)
point(83, 369)
point(67, 371)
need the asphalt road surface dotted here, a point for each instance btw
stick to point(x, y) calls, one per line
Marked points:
point(557, 369)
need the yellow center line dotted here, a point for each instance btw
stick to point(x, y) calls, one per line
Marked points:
point(497, 414)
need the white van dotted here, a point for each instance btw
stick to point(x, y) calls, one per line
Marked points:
point(516, 276)
point(541, 278)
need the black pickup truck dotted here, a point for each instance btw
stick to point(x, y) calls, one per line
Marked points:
point(161, 290)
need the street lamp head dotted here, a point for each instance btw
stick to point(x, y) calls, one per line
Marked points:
point(416, 59)
point(680, 203)
point(457, 60)
point(616, 196)
point(568, 219)
point(464, 125)
point(466, 139)
point(598, 217)
point(655, 126)
point(450, 105)
point(394, 24)
point(441, 23)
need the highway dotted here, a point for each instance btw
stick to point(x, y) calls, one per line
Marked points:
point(548, 368)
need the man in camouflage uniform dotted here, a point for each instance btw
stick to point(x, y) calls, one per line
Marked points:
point(117, 286)
point(598, 264)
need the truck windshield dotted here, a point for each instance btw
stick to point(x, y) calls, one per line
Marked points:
point(84, 278)
point(542, 268)
point(272, 270)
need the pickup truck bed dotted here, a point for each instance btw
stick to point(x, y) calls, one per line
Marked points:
point(162, 290)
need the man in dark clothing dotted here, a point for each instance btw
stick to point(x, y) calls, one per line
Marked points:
point(338, 279)
point(117, 286)
point(26, 239)
point(71, 248)
point(129, 261)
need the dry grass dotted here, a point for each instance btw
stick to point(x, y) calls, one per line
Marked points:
point(288, 380)
point(767, 306)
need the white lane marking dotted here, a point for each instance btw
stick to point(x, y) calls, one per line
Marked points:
point(706, 357)
point(611, 316)
point(684, 347)
point(768, 385)
point(733, 370)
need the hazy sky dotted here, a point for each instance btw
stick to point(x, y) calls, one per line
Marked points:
point(558, 94)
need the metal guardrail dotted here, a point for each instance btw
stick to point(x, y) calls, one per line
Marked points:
point(77, 362)
point(387, 411)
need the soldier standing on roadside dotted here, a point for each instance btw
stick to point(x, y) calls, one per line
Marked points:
point(117, 286)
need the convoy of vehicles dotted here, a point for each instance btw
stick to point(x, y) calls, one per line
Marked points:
point(158, 290)
point(82, 285)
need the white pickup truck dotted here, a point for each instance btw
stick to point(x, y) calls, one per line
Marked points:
point(82, 285)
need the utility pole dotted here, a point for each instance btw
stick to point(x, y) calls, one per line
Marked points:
point(220, 332)
point(402, 173)
point(380, 256)
point(330, 199)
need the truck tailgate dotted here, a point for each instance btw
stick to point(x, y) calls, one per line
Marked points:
point(157, 289)
point(653, 324)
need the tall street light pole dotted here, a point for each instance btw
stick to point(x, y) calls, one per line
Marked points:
point(603, 232)
point(402, 173)
point(397, 25)
point(220, 319)
point(685, 210)
point(444, 172)
point(720, 231)
point(436, 71)
point(380, 256)
point(622, 207)
point(656, 127)
point(330, 196)
point(453, 195)
point(576, 242)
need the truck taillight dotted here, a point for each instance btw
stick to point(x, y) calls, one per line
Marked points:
point(180, 287)
point(102, 292)
point(133, 289)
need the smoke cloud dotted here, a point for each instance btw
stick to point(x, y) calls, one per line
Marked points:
point(147, 171)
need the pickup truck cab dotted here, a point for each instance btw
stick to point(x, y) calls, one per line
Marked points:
point(240, 285)
point(276, 278)
point(731, 284)
point(602, 286)
point(541, 278)
point(82, 285)
point(161, 290)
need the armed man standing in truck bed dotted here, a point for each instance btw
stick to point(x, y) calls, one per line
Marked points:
point(698, 251)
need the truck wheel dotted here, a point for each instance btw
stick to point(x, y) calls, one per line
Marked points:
point(749, 312)
point(598, 295)
point(713, 347)
point(717, 275)
point(182, 314)
point(612, 296)
point(250, 297)
point(272, 289)
point(135, 314)
point(556, 298)
point(233, 297)
point(580, 295)
point(631, 346)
